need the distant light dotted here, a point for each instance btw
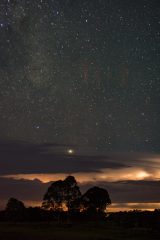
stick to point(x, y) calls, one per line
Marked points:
point(70, 151)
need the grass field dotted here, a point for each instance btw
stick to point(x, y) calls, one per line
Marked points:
point(39, 231)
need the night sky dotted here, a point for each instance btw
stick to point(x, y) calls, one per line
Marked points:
point(83, 75)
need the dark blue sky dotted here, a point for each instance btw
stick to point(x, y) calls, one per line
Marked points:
point(82, 72)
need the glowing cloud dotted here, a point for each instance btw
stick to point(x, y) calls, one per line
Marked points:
point(107, 175)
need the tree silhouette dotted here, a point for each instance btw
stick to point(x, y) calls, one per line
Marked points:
point(96, 199)
point(61, 194)
point(14, 205)
point(72, 191)
point(15, 210)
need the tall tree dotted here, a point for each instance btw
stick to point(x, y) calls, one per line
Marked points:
point(72, 191)
point(61, 194)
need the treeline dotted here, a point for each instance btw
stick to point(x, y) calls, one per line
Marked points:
point(64, 203)
point(131, 219)
point(136, 219)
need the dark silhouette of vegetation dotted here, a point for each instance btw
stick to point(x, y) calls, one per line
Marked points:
point(15, 210)
point(64, 207)
point(96, 199)
point(14, 205)
point(65, 196)
point(61, 195)
point(127, 220)
point(63, 201)
point(136, 219)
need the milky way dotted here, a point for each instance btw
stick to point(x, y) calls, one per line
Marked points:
point(81, 72)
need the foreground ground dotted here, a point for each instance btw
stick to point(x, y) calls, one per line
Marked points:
point(89, 231)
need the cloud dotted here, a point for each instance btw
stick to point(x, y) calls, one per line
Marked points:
point(26, 158)
point(18, 158)
point(104, 174)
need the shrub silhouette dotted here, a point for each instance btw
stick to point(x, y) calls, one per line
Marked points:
point(15, 210)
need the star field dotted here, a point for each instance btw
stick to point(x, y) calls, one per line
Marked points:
point(81, 72)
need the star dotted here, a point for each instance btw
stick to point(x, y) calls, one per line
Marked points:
point(70, 151)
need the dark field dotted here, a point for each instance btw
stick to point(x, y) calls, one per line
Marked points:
point(88, 231)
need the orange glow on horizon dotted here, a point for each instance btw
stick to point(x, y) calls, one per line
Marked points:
point(114, 207)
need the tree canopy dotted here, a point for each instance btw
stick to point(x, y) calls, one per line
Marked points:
point(15, 210)
point(14, 205)
point(66, 196)
point(96, 199)
point(61, 194)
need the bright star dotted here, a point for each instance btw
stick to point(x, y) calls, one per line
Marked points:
point(70, 151)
